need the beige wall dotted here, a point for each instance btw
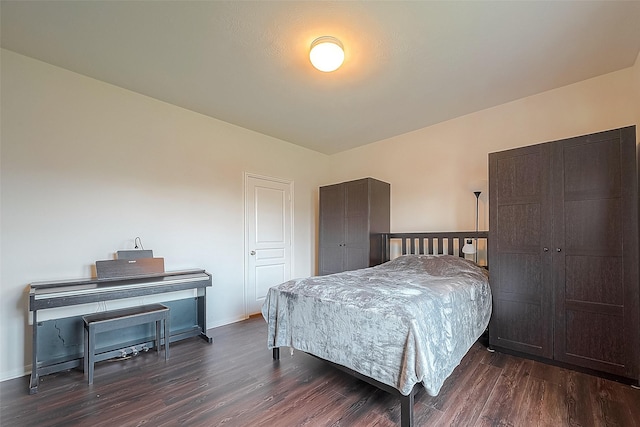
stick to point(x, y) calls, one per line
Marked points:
point(87, 167)
point(433, 171)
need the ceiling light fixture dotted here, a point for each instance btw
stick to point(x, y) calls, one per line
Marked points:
point(326, 54)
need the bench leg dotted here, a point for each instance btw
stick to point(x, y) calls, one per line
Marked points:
point(158, 341)
point(85, 358)
point(91, 350)
point(166, 338)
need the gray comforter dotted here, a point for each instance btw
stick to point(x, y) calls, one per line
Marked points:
point(408, 321)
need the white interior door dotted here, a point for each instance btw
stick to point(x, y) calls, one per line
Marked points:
point(268, 237)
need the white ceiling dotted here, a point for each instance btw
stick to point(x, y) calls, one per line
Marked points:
point(408, 64)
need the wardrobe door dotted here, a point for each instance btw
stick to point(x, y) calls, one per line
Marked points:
point(520, 239)
point(595, 251)
point(332, 226)
point(379, 218)
point(356, 232)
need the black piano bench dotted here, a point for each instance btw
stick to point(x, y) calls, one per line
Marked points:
point(116, 319)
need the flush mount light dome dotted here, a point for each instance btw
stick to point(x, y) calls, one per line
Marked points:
point(327, 53)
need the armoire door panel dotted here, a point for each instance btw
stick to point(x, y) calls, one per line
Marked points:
point(356, 257)
point(593, 225)
point(331, 260)
point(333, 231)
point(520, 274)
point(332, 200)
point(357, 198)
point(519, 177)
point(517, 297)
point(518, 327)
point(594, 279)
point(356, 231)
point(592, 169)
point(590, 342)
point(519, 227)
point(593, 307)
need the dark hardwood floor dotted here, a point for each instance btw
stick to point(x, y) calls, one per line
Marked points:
point(235, 382)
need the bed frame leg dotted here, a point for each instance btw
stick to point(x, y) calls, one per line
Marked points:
point(406, 410)
point(276, 353)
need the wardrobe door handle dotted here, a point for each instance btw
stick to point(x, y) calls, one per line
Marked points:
point(545, 249)
point(558, 250)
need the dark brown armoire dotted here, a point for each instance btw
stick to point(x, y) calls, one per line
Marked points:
point(563, 239)
point(352, 216)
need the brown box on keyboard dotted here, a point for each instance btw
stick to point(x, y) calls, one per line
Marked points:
point(123, 268)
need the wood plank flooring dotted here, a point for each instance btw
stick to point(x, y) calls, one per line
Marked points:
point(235, 382)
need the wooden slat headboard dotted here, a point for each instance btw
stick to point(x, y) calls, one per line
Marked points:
point(433, 243)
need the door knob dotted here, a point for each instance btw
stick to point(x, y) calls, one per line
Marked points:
point(545, 249)
point(252, 253)
point(558, 250)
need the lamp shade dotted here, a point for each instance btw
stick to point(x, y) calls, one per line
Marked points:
point(468, 248)
point(326, 54)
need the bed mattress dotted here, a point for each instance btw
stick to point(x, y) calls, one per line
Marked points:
point(408, 321)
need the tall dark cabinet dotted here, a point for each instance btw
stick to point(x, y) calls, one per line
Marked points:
point(352, 215)
point(563, 238)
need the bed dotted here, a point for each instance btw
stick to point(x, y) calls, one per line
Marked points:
point(400, 325)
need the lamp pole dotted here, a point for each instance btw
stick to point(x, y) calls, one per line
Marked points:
point(477, 193)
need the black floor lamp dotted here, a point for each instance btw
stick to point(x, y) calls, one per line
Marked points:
point(477, 193)
point(468, 248)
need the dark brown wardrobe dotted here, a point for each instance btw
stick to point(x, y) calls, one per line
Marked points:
point(352, 215)
point(563, 239)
